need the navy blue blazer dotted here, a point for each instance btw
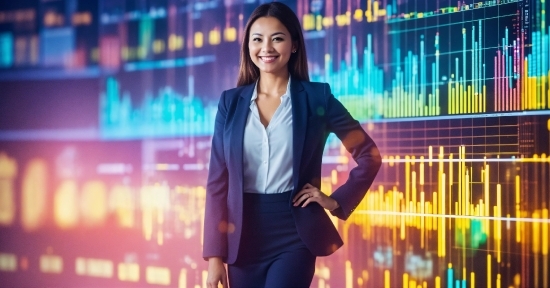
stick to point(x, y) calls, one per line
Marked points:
point(315, 114)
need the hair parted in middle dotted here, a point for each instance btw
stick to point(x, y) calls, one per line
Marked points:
point(297, 64)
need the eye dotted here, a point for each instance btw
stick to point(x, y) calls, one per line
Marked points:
point(278, 39)
point(256, 39)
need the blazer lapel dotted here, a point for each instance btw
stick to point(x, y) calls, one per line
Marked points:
point(237, 134)
point(299, 126)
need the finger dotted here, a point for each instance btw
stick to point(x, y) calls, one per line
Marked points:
point(308, 200)
point(301, 199)
point(300, 194)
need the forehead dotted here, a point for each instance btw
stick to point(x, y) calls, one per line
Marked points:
point(267, 25)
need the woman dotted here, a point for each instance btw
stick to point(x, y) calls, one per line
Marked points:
point(265, 215)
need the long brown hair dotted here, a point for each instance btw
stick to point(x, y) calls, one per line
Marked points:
point(297, 64)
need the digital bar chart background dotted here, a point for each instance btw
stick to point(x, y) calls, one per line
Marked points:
point(106, 118)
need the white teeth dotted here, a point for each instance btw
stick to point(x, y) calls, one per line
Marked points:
point(268, 58)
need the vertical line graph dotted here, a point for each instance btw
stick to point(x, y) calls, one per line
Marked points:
point(453, 203)
point(166, 113)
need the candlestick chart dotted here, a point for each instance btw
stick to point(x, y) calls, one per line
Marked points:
point(108, 112)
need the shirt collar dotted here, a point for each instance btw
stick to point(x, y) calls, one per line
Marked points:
point(285, 96)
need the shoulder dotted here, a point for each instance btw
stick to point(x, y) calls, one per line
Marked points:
point(233, 92)
point(318, 92)
point(315, 86)
point(231, 95)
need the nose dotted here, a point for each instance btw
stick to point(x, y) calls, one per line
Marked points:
point(267, 46)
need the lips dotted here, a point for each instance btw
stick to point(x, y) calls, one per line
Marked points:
point(268, 59)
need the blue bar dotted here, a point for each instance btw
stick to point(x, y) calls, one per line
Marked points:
point(450, 278)
point(6, 49)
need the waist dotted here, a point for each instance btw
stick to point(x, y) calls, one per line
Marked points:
point(267, 203)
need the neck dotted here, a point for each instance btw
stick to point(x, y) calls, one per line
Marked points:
point(270, 83)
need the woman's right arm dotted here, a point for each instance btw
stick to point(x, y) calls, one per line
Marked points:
point(215, 214)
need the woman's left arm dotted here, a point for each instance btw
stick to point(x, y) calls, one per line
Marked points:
point(363, 150)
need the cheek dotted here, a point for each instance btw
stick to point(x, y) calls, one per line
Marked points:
point(252, 50)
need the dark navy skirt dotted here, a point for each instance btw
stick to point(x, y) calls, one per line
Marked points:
point(270, 248)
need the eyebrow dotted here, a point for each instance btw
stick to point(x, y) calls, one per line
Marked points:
point(276, 33)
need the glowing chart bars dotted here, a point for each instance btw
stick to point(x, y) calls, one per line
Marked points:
point(167, 114)
point(522, 79)
point(466, 209)
point(463, 97)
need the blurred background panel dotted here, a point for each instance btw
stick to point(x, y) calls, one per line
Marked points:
point(107, 111)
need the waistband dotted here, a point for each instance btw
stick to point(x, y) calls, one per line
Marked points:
point(267, 198)
point(264, 204)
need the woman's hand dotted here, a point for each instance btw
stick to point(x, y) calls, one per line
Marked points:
point(216, 273)
point(310, 194)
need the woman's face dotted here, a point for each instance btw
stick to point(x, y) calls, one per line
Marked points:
point(270, 45)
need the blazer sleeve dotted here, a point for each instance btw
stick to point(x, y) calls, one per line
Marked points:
point(215, 214)
point(363, 150)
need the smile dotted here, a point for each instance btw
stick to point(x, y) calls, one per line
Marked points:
point(268, 59)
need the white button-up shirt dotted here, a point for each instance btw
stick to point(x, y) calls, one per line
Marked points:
point(267, 156)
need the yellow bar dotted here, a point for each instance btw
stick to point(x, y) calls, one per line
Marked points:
point(422, 219)
point(484, 99)
point(542, 85)
point(199, 39)
point(463, 174)
point(407, 179)
point(545, 248)
point(421, 179)
point(51, 264)
point(430, 155)
point(8, 262)
point(451, 96)
point(536, 233)
point(387, 279)
point(405, 280)
point(489, 270)
point(308, 22)
point(413, 196)
point(157, 275)
point(437, 282)
point(182, 281)
point(467, 195)
point(441, 230)
point(533, 92)
point(319, 23)
point(368, 13)
point(472, 280)
point(450, 187)
point(518, 210)
point(474, 102)
point(349, 275)
point(544, 232)
point(524, 96)
point(460, 99)
point(470, 97)
point(128, 272)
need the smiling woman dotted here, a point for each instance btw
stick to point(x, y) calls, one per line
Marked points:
point(283, 19)
point(270, 46)
point(265, 215)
